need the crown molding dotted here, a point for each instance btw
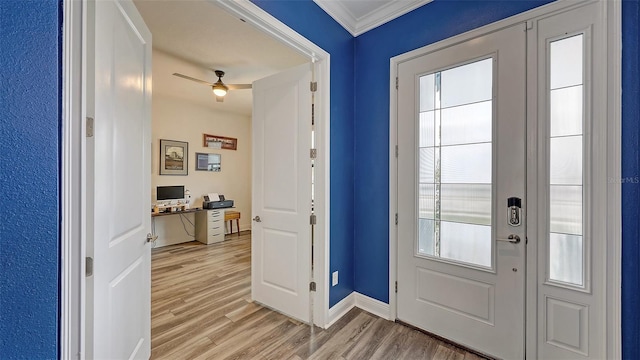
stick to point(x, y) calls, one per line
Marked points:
point(381, 15)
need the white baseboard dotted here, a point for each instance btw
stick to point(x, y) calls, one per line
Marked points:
point(376, 307)
point(340, 309)
point(355, 299)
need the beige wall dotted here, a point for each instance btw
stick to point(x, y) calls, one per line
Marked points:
point(175, 118)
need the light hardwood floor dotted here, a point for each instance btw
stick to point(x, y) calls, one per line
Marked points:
point(201, 309)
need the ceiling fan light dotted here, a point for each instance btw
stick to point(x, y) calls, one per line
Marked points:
point(219, 89)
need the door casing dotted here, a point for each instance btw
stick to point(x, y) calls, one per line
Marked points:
point(612, 137)
point(74, 223)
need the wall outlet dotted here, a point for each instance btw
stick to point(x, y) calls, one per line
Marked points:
point(334, 278)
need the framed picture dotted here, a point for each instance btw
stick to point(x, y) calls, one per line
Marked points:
point(208, 162)
point(219, 142)
point(174, 157)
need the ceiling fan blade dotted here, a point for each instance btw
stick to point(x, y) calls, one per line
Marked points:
point(238, 86)
point(193, 79)
point(220, 98)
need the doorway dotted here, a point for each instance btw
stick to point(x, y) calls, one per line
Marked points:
point(95, 319)
point(249, 142)
point(500, 193)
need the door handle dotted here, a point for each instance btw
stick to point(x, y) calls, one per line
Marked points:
point(514, 239)
point(257, 219)
point(151, 238)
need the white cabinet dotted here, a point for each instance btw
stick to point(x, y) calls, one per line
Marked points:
point(210, 226)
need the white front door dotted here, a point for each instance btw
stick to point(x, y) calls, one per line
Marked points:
point(118, 176)
point(281, 195)
point(461, 162)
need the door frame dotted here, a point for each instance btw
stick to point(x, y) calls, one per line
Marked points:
point(612, 138)
point(73, 194)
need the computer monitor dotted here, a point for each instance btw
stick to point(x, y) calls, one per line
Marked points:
point(170, 192)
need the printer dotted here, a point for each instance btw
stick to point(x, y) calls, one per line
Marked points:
point(216, 204)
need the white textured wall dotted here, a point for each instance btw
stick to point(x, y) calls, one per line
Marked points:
point(175, 118)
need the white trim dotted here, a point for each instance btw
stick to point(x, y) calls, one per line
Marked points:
point(271, 26)
point(359, 25)
point(614, 34)
point(340, 309)
point(614, 188)
point(376, 307)
point(366, 303)
point(393, 188)
point(72, 193)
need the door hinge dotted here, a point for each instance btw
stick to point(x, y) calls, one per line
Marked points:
point(396, 218)
point(313, 153)
point(396, 287)
point(396, 83)
point(88, 266)
point(396, 151)
point(312, 219)
point(90, 126)
point(314, 86)
point(312, 286)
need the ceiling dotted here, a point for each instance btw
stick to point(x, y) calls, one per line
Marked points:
point(206, 37)
point(359, 16)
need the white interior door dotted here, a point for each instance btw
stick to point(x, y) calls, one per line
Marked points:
point(461, 137)
point(281, 195)
point(118, 176)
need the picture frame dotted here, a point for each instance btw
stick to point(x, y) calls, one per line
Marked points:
point(219, 142)
point(174, 157)
point(208, 162)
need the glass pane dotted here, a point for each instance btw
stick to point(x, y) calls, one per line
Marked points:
point(427, 124)
point(426, 165)
point(467, 124)
point(565, 213)
point(566, 62)
point(427, 92)
point(466, 243)
point(426, 204)
point(565, 253)
point(425, 237)
point(566, 111)
point(566, 160)
point(467, 83)
point(466, 203)
point(469, 164)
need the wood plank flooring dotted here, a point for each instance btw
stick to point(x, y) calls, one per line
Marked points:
point(201, 309)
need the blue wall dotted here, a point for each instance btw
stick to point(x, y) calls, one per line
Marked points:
point(30, 62)
point(306, 18)
point(630, 179)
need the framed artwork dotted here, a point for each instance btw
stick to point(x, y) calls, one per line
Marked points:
point(220, 142)
point(174, 157)
point(208, 162)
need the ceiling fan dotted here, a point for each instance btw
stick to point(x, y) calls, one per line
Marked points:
point(219, 88)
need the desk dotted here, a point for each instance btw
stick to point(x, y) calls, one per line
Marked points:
point(209, 224)
point(187, 211)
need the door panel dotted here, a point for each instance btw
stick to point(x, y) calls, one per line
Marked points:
point(119, 176)
point(570, 93)
point(281, 198)
point(461, 136)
